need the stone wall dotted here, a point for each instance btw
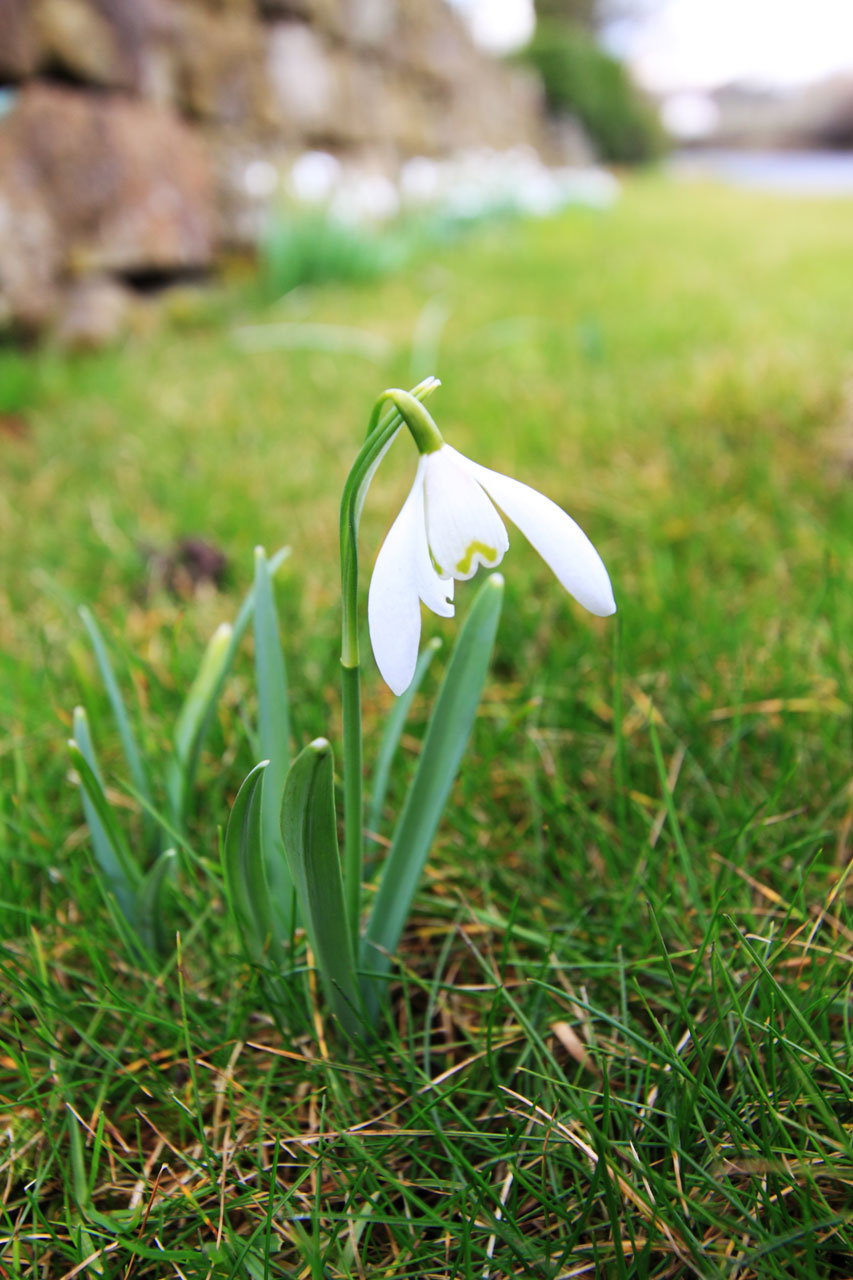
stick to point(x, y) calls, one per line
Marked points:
point(127, 125)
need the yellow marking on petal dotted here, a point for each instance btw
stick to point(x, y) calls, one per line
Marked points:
point(489, 555)
point(435, 563)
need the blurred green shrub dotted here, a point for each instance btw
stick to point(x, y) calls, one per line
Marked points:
point(580, 78)
point(311, 246)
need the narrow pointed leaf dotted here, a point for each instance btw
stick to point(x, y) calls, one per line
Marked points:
point(446, 738)
point(111, 852)
point(394, 727)
point(129, 745)
point(310, 838)
point(274, 735)
point(149, 902)
point(195, 717)
point(245, 874)
point(244, 614)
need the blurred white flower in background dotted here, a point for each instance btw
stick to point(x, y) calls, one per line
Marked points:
point(314, 177)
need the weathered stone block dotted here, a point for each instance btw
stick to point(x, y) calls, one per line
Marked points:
point(18, 40)
point(126, 185)
point(496, 108)
point(100, 42)
point(369, 23)
point(222, 68)
point(303, 81)
point(30, 248)
point(434, 42)
point(328, 15)
point(220, 8)
point(414, 115)
point(365, 100)
point(94, 313)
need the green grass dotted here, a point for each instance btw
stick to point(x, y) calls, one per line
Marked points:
point(621, 1042)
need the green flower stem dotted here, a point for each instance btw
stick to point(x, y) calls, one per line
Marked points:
point(380, 434)
point(381, 431)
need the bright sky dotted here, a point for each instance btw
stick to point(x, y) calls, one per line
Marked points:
point(499, 25)
point(701, 43)
point(694, 44)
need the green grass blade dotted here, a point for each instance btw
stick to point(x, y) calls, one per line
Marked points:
point(274, 735)
point(243, 865)
point(445, 741)
point(132, 754)
point(111, 852)
point(394, 726)
point(310, 837)
point(149, 908)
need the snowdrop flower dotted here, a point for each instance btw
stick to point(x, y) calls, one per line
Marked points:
point(449, 526)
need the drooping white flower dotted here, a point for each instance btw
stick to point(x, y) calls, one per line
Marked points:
point(449, 526)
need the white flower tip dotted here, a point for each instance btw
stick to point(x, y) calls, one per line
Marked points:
point(320, 745)
point(592, 588)
point(398, 684)
point(605, 605)
point(395, 627)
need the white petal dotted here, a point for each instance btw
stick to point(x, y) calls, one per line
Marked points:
point(402, 577)
point(436, 592)
point(561, 542)
point(393, 605)
point(463, 528)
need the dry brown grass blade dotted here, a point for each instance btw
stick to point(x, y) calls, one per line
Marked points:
point(619, 1181)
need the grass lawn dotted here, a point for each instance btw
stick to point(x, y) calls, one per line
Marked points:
point(621, 1043)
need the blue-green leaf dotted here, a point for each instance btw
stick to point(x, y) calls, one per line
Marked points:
point(245, 873)
point(196, 715)
point(274, 735)
point(132, 753)
point(394, 726)
point(446, 738)
point(274, 563)
point(310, 836)
point(112, 854)
point(149, 909)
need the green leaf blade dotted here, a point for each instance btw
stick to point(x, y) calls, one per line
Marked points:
point(150, 914)
point(446, 738)
point(111, 852)
point(132, 754)
point(309, 831)
point(394, 726)
point(243, 867)
point(274, 735)
point(195, 717)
